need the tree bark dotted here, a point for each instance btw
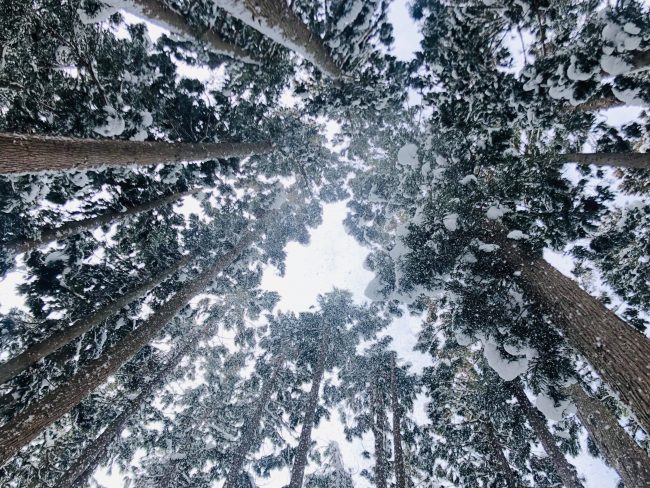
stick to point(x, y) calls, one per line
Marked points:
point(595, 104)
point(564, 469)
point(300, 461)
point(617, 351)
point(619, 449)
point(378, 428)
point(159, 13)
point(95, 452)
point(618, 160)
point(21, 153)
point(57, 340)
point(29, 423)
point(76, 227)
point(503, 466)
point(400, 470)
point(275, 19)
point(249, 433)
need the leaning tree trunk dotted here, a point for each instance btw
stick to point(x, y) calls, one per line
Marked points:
point(250, 430)
point(158, 12)
point(300, 461)
point(565, 471)
point(76, 227)
point(20, 153)
point(275, 19)
point(29, 423)
point(378, 427)
point(615, 349)
point(95, 452)
point(57, 340)
point(400, 470)
point(619, 449)
point(500, 458)
point(618, 160)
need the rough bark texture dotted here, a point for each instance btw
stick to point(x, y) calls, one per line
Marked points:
point(300, 461)
point(275, 19)
point(96, 451)
point(619, 449)
point(42, 349)
point(249, 433)
point(378, 427)
point(595, 104)
point(615, 349)
point(76, 227)
point(619, 160)
point(159, 13)
point(503, 466)
point(30, 154)
point(400, 470)
point(564, 469)
point(29, 423)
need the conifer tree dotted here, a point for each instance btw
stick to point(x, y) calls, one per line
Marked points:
point(328, 338)
point(332, 472)
point(279, 22)
point(25, 154)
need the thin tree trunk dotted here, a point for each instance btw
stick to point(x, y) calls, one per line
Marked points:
point(619, 449)
point(29, 423)
point(20, 153)
point(618, 160)
point(57, 340)
point(95, 452)
point(159, 13)
point(275, 19)
point(249, 433)
point(400, 470)
point(300, 461)
point(617, 351)
point(76, 227)
point(378, 428)
point(500, 458)
point(565, 471)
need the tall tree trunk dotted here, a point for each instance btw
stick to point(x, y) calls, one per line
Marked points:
point(300, 461)
point(95, 452)
point(565, 471)
point(619, 449)
point(275, 19)
point(76, 227)
point(57, 340)
point(618, 160)
point(158, 12)
point(20, 153)
point(29, 423)
point(249, 433)
point(378, 428)
point(400, 470)
point(503, 466)
point(615, 349)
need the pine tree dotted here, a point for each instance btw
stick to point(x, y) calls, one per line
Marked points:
point(75, 227)
point(23, 154)
point(626, 457)
point(159, 12)
point(332, 472)
point(328, 339)
point(33, 420)
point(276, 20)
